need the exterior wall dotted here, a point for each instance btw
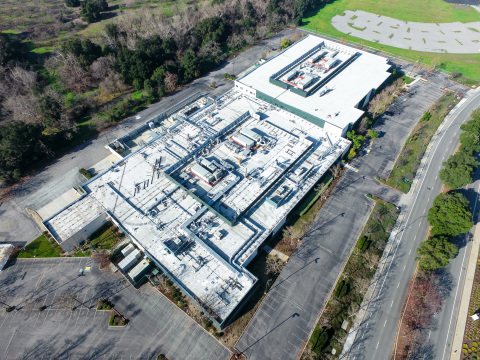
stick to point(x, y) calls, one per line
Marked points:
point(334, 130)
point(279, 226)
point(313, 119)
point(247, 90)
point(80, 236)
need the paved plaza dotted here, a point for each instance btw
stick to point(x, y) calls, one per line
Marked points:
point(458, 38)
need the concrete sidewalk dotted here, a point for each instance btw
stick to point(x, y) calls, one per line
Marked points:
point(466, 293)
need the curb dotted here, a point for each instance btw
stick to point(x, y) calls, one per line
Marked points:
point(467, 289)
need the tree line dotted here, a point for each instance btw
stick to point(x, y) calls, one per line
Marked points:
point(59, 98)
point(451, 215)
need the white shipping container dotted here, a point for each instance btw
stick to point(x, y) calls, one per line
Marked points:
point(131, 259)
point(127, 249)
point(139, 270)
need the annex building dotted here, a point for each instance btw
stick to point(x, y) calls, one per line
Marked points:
point(324, 82)
point(202, 186)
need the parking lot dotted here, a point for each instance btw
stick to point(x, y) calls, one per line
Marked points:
point(155, 325)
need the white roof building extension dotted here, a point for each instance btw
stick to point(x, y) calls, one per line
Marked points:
point(353, 80)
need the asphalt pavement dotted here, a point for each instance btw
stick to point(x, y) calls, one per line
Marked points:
point(375, 338)
point(155, 325)
point(282, 324)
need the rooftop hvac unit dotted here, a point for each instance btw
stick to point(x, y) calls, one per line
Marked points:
point(252, 134)
point(243, 141)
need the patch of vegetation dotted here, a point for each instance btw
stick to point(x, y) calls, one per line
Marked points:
point(116, 320)
point(473, 29)
point(353, 282)
point(229, 76)
point(40, 247)
point(85, 173)
point(409, 159)
point(104, 304)
point(106, 238)
point(356, 27)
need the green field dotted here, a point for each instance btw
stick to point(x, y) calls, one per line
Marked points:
point(435, 11)
point(40, 247)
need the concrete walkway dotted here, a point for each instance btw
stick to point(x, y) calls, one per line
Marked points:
point(466, 293)
point(454, 38)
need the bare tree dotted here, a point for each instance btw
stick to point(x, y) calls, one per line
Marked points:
point(170, 81)
point(371, 260)
point(274, 264)
point(361, 285)
point(101, 258)
point(336, 170)
point(295, 36)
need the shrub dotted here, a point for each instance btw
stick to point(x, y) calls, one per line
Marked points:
point(474, 344)
point(345, 290)
point(321, 342)
point(85, 173)
point(230, 76)
point(455, 74)
point(339, 288)
point(465, 346)
point(361, 241)
point(426, 117)
point(465, 351)
point(8, 309)
point(41, 308)
point(124, 322)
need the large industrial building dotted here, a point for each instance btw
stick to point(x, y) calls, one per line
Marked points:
point(200, 187)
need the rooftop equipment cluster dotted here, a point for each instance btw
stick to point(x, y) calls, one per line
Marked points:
point(210, 172)
point(247, 138)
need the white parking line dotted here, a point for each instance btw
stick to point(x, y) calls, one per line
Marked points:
point(391, 303)
point(302, 329)
point(398, 285)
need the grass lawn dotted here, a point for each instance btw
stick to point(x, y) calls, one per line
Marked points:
point(416, 144)
point(43, 50)
point(40, 247)
point(104, 238)
point(435, 11)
